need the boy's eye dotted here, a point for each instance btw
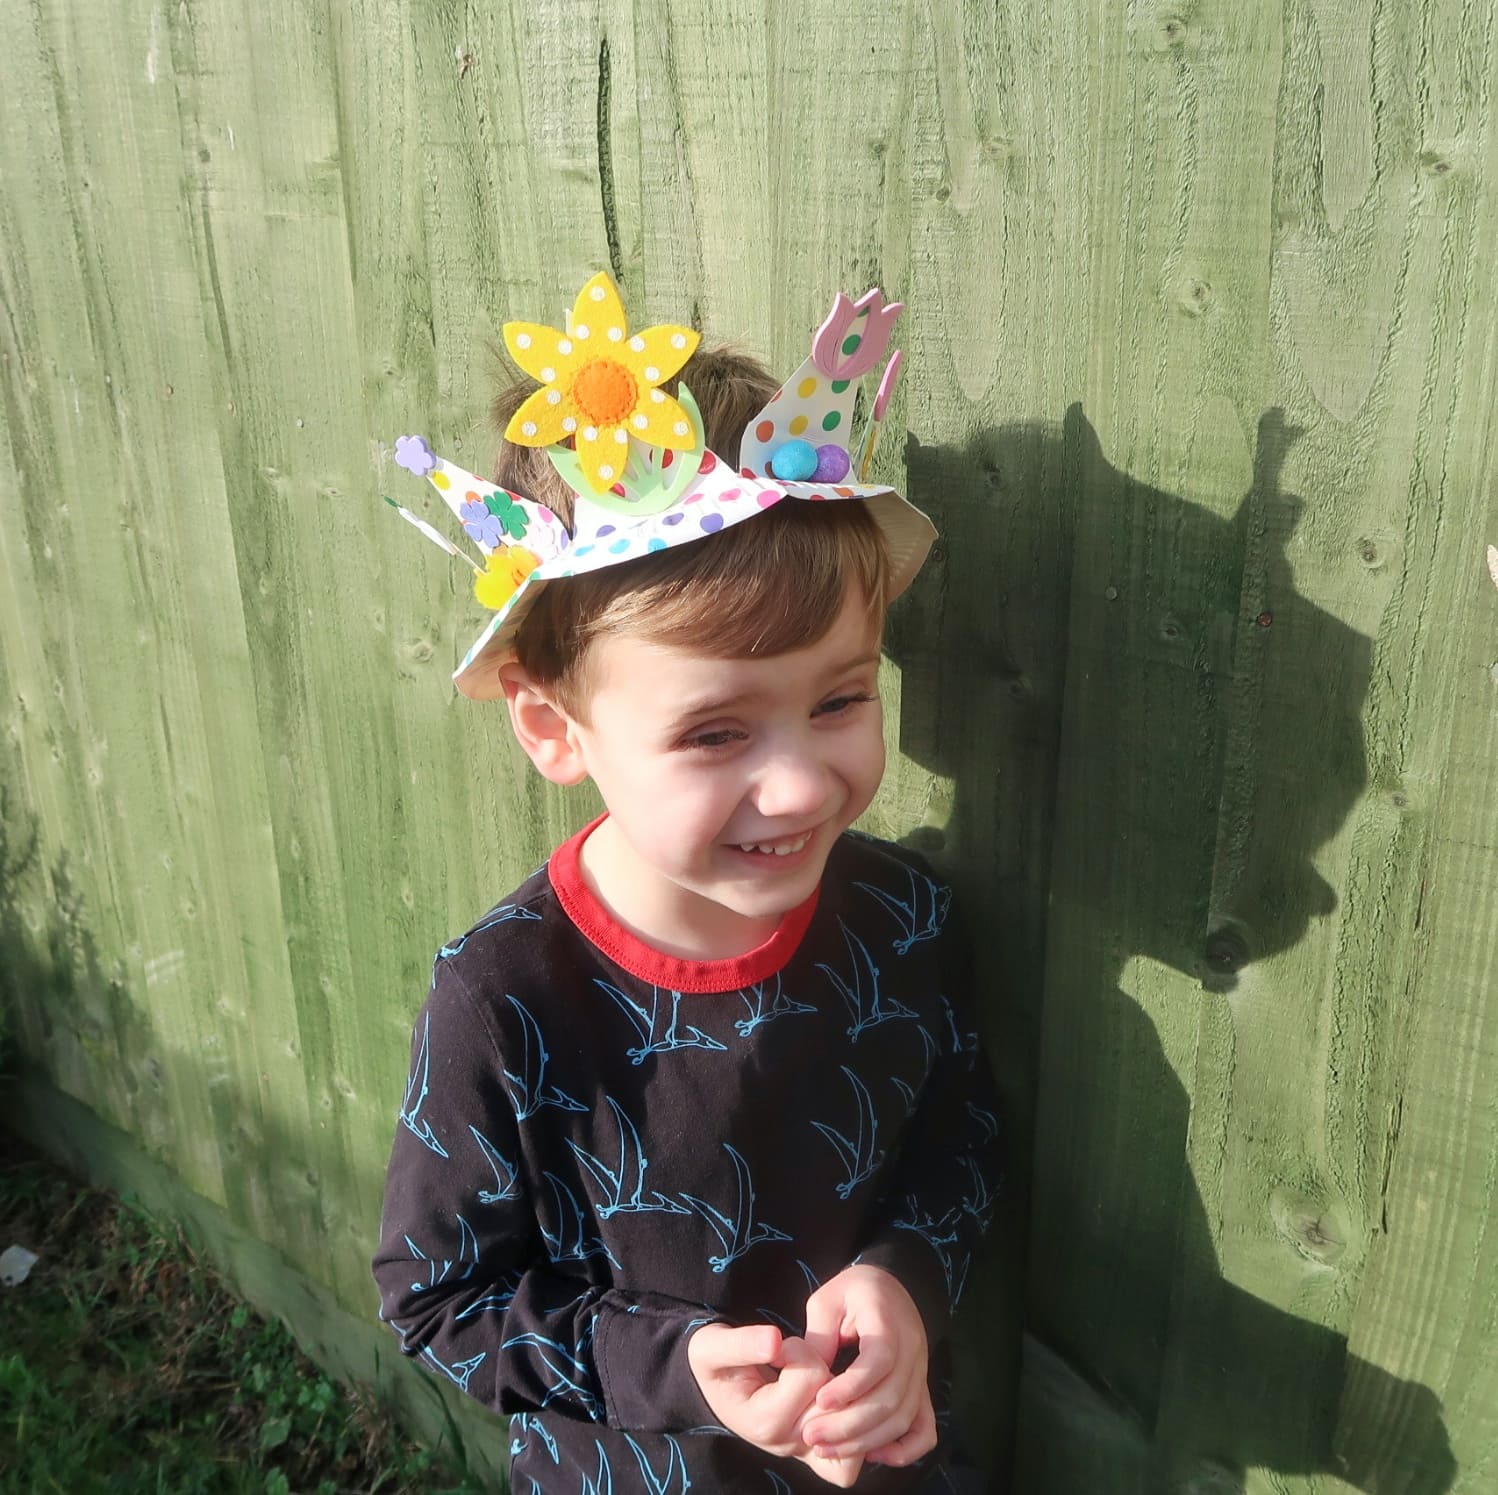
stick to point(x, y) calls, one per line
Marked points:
point(844, 703)
point(716, 739)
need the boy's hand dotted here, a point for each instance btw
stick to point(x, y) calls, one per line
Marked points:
point(760, 1386)
point(880, 1407)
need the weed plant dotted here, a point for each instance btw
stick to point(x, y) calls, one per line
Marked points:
point(127, 1368)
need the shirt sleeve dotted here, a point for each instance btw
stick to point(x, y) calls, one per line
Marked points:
point(464, 1275)
point(946, 1179)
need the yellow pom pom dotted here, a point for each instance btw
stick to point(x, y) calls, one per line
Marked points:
point(507, 568)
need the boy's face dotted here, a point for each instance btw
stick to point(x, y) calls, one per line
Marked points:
point(704, 762)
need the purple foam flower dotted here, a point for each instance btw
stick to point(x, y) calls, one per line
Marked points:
point(413, 453)
point(479, 524)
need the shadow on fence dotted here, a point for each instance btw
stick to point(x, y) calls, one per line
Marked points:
point(1178, 740)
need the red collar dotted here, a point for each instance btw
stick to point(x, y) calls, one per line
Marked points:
point(672, 972)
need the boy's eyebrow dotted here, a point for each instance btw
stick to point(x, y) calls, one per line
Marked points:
point(712, 705)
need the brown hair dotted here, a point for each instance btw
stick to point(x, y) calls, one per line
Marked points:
point(765, 586)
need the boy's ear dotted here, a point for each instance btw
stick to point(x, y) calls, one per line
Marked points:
point(542, 728)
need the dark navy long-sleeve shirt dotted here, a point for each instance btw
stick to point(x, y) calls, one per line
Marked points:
point(602, 1148)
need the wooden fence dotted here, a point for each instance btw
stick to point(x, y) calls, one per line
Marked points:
point(1199, 700)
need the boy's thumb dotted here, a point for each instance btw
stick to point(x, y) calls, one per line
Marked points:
point(730, 1348)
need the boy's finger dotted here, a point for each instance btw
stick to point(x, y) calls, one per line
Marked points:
point(871, 1423)
point(839, 1472)
point(884, 1433)
point(876, 1359)
point(916, 1444)
point(824, 1326)
point(801, 1373)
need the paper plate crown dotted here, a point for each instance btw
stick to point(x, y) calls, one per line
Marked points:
point(636, 460)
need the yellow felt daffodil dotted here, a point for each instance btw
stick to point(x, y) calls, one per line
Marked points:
point(505, 569)
point(600, 383)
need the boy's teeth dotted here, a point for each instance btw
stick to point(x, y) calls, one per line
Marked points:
point(782, 849)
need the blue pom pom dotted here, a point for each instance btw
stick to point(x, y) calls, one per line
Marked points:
point(794, 461)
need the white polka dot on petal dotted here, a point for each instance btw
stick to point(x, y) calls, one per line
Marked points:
point(657, 398)
point(678, 340)
point(548, 374)
point(681, 428)
point(569, 423)
point(641, 421)
point(605, 471)
point(616, 334)
point(621, 436)
point(590, 433)
point(528, 429)
point(553, 397)
point(651, 373)
point(597, 293)
point(638, 344)
point(564, 345)
point(580, 332)
point(522, 339)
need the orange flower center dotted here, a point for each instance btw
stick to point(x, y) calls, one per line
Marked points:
point(520, 563)
point(605, 392)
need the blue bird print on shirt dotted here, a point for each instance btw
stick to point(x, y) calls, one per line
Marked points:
point(500, 915)
point(437, 1273)
point(942, 1234)
point(867, 1005)
point(921, 915)
point(624, 1187)
point(522, 1425)
point(858, 1152)
point(658, 1034)
point(570, 1376)
point(911, 1093)
point(985, 1119)
point(529, 1092)
point(766, 1000)
point(603, 1482)
point(417, 1089)
point(777, 1484)
point(528, 1426)
point(740, 1231)
point(460, 1371)
point(980, 1201)
point(571, 1242)
point(770, 1316)
point(674, 1481)
point(506, 1184)
point(496, 1302)
point(962, 1043)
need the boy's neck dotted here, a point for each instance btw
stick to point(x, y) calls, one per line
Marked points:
point(671, 920)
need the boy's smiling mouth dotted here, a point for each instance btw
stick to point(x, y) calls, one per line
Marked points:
point(776, 848)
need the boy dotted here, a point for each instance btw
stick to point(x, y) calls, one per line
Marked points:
point(696, 1147)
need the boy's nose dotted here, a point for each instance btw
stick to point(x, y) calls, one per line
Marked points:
point(793, 786)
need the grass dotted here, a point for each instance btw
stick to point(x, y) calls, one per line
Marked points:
point(127, 1367)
